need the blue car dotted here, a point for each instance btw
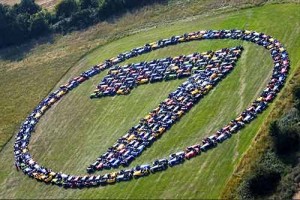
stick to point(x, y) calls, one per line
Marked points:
point(127, 160)
point(116, 163)
point(176, 159)
point(136, 152)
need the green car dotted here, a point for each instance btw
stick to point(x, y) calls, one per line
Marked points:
point(170, 76)
point(96, 95)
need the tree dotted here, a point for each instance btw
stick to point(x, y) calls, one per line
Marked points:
point(264, 182)
point(4, 24)
point(81, 19)
point(297, 92)
point(66, 8)
point(88, 4)
point(27, 6)
point(274, 128)
point(39, 24)
point(287, 140)
point(297, 97)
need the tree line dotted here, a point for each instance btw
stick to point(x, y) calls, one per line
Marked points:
point(27, 20)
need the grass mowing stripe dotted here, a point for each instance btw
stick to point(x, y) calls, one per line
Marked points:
point(171, 182)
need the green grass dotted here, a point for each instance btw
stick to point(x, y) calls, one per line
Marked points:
point(82, 129)
point(51, 57)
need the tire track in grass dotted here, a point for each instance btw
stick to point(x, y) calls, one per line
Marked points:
point(242, 83)
point(208, 142)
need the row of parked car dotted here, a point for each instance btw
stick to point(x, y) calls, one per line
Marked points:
point(207, 68)
point(201, 80)
point(120, 80)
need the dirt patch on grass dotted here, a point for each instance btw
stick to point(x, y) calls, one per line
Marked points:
point(297, 195)
point(48, 4)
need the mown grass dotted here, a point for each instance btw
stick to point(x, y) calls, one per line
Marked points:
point(51, 57)
point(262, 141)
point(94, 125)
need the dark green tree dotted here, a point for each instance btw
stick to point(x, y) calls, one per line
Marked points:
point(88, 4)
point(66, 8)
point(27, 6)
point(39, 24)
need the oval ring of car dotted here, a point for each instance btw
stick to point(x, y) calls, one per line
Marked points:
point(204, 71)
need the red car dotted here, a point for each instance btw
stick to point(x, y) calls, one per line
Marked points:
point(192, 151)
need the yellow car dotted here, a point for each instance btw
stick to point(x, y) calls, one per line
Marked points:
point(281, 49)
point(52, 101)
point(240, 118)
point(38, 176)
point(214, 58)
point(114, 72)
point(37, 115)
point(123, 91)
point(131, 137)
point(61, 93)
point(181, 39)
point(194, 92)
point(207, 56)
point(247, 32)
point(195, 37)
point(270, 46)
point(113, 174)
point(260, 99)
point(161, 130)
point(114, 60)
point(112, 177)
point(120, 147)
point(44, 108)
point(50, 177)
point(180, 98)
point(174, 67)
point(24, 150)
point(147, 117)
point(111, 180)
point(180, 113)
point(143, 81)
point(153, 45)
point(208, 87)
point(213, 76)
point(141, 173)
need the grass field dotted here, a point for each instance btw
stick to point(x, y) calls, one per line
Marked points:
point(82, 129)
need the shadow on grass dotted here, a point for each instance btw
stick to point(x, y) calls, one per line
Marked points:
point(19, 52)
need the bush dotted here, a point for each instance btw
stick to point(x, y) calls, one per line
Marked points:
point(40, 23)
point(287, 187)
point(27, 6)
point(287, 141)
point(274, 128)
point(66, 8)
point(88, 4)
point(264, 182)
point(297, 93)
point(297, 97)
point(264, 179)
point(22, 22)
point(285, 133)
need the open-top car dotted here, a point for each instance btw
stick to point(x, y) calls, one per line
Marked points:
point(159, 165)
